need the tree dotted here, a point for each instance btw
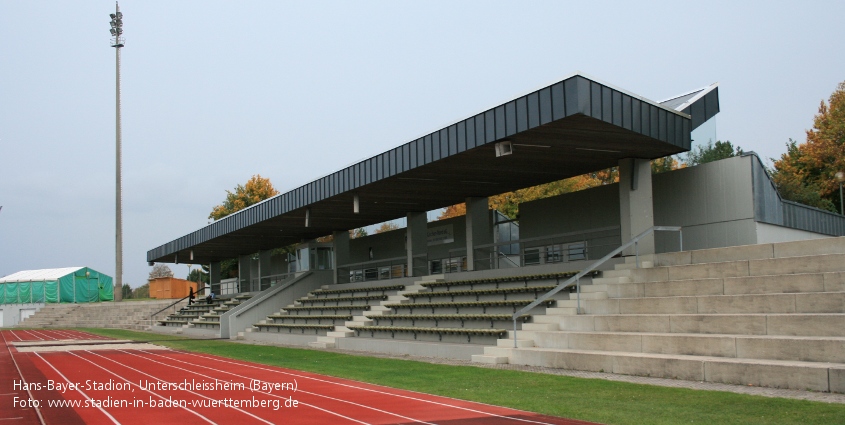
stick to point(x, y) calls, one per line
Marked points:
point(386, 227)
point(142, 291)
point(805, 173)
point(254, 191)
point(508, 203)
point(710, 152)
point(160, 270)
point(197, 275)
point(126, 291)
point(667, 163)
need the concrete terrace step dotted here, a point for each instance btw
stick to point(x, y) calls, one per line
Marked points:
point(740, 268)
point(787, 324)
point(789, 283)
point(800, 348)
point(818, 302)
point(768, 373)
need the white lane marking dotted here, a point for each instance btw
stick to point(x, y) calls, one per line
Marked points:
point(136, 385)
point(46, 335)
point(15, 335)
point(77, 389)
point(161, 380)
point(30, 332)
point(65, 333)
point(367, 389)
point(273, 395)
point(23, 380)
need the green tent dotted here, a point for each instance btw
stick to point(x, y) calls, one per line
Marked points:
point(65, 285)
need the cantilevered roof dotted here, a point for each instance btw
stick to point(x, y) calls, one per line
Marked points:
point(572, 127)
point(39, 275)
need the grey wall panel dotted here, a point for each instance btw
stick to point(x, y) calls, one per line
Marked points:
point(533, 110)
point(586, 209)
point(607, 104)
point(627, 113)
point(559, 98)
point(545, 105)
point(499, 121)
point(461, 134)
point(522, 114)
point(490, 125)
point(617, 108)
point(510, 118)
point(595, 100)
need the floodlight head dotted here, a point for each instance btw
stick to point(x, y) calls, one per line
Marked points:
point(113, 32)
point(112, 15)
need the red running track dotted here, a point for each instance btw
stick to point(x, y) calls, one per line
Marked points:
point(131, 386)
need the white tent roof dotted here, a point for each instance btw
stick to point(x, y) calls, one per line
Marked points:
point(39, 275)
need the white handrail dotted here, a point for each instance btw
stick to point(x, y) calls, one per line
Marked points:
point(577, 277)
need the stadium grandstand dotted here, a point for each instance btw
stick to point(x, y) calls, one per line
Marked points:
point(656, 275)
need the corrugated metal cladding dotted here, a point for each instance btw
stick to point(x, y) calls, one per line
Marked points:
point(770, 208)
point(704, 109)
point(573, 96)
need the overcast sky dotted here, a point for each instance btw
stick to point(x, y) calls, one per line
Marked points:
point(214, 92)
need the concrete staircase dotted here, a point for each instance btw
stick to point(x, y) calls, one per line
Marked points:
point(330, 340)
point(124, 315)
point(769, 315)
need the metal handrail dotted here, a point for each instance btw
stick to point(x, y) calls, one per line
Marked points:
point(502, 255)
point(175, 302)
point(577, 278)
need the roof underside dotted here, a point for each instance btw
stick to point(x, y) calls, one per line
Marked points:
point(570, 128)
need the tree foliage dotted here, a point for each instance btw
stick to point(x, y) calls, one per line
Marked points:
point(386, 227)
point(197, 275)
point(142, 291)
point(712, 152)
point(805, 173)
point(254, 191)
point(160, 270)
point(126, 291)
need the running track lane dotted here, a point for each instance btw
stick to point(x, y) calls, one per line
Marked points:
point(322, 399)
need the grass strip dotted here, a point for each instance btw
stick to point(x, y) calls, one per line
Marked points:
point(595, 400)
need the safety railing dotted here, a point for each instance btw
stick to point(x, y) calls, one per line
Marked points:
point(557, 248)
point(173, 304)
point(389, 268)
point(577, 278)
point(258, 284)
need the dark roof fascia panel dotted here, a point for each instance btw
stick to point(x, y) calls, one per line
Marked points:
point(574, 95)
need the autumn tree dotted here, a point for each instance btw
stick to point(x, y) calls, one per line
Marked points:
point(254, 191)
point(160, 270)
point(386, 227)
point(805, 173)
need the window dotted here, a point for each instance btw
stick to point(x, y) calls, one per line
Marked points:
point(577, 251)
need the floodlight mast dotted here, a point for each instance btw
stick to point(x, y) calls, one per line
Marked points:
point(117, 43)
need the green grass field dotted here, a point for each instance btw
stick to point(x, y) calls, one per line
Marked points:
point(594, 400)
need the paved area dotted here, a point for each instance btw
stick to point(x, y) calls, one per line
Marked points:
point(675, 383)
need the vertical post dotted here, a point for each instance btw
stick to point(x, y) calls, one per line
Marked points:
point(578, 288)
point(117, 43)
point(681, 238)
